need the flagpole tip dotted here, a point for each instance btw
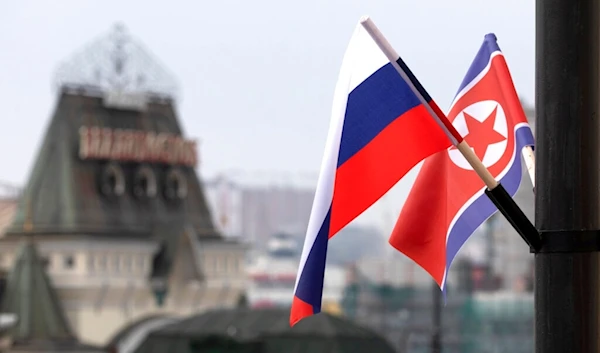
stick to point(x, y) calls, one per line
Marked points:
point(364, 19)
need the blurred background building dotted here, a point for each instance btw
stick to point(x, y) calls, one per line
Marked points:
point(113, 208)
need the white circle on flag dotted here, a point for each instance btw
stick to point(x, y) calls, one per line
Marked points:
point(481, 111)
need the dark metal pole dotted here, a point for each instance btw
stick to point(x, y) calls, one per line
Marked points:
point(436, 308)
point(567, 288)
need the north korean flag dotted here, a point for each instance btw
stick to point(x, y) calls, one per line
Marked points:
point(447, 202)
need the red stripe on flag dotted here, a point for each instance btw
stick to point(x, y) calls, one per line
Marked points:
point(372, 171)
point(300, 310)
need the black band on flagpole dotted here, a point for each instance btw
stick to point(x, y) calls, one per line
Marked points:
point(515, 216)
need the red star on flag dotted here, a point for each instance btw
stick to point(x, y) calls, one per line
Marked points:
point(482, 134)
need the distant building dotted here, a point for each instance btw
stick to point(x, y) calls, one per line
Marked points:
point(254, 212)
point(396, 270)
point(114, 204)
point(224, 198)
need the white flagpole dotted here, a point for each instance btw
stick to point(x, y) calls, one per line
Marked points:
point(529, 158)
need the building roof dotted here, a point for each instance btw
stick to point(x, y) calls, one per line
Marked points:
point(41, 321)
point(64, 190)
point(132, 335)
point(270, 327)
point(30, 295)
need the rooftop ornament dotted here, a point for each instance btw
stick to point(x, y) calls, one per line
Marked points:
point(116, 63)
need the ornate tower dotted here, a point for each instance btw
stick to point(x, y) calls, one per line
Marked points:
point(117, 209)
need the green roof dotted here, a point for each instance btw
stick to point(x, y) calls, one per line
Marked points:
point(41, 322)
point(30, 295)
point(64, 189)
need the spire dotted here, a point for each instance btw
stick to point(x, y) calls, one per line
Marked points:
point(30, 296)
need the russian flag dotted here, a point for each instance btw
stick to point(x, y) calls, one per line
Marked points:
point(383, 123)
point(447, 202)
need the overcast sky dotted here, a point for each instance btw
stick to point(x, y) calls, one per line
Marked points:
point(257, 77)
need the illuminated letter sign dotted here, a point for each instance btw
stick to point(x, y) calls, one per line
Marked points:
point(136, 146)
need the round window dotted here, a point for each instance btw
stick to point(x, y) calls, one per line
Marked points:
point(144, 183)
point(175, 185)
point(112, 181)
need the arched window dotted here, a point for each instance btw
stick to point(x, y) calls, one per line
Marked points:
point(144, 183)
point(112, 180)
point(175, 185)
